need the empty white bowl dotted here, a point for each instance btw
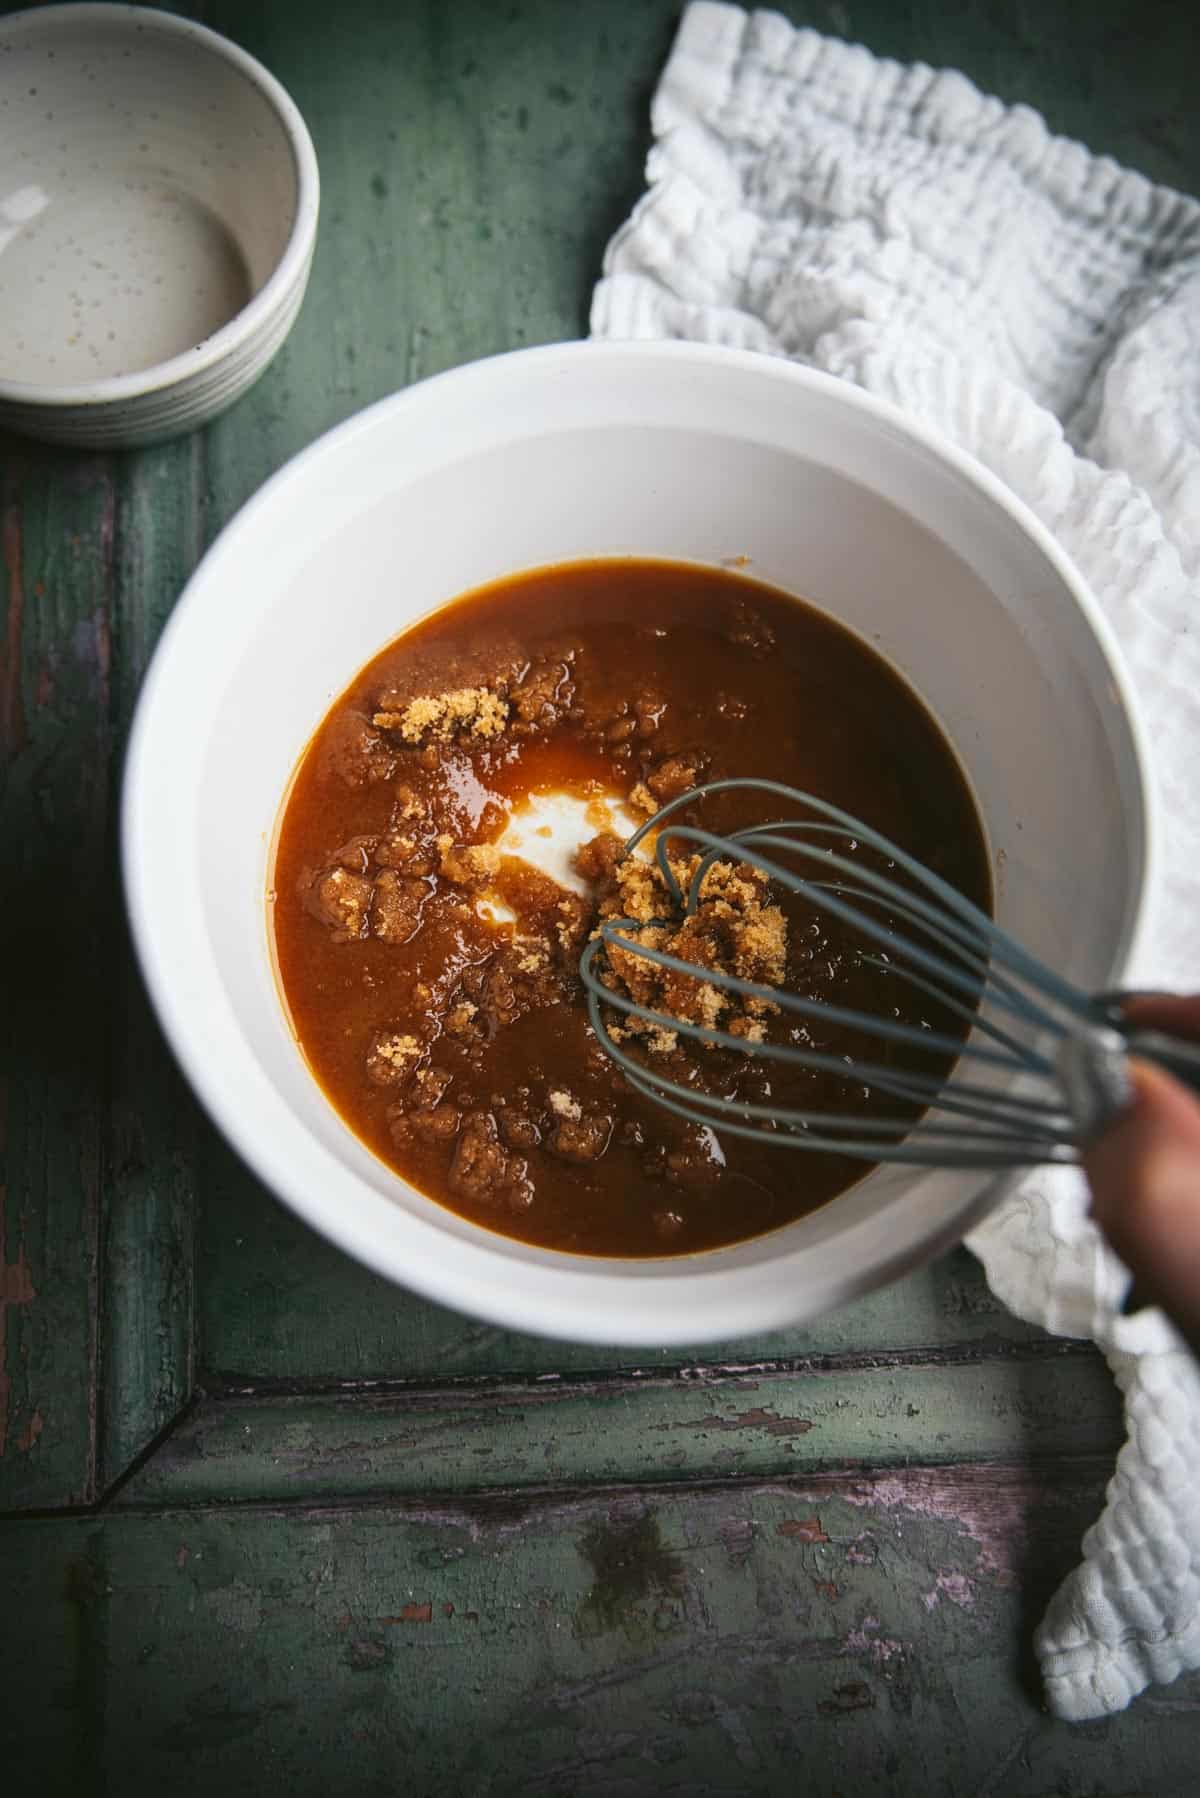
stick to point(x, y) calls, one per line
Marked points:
point(158, 214)
point(588, 450)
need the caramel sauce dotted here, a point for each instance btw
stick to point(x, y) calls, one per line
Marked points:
point(753, 683)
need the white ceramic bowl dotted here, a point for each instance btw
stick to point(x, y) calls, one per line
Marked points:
point(587, 450)
point(158, 214)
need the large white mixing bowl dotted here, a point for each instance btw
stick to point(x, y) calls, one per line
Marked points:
point(588, 450)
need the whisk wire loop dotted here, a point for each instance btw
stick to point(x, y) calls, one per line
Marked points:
point(958, 905)
point(824, 896)
point(725, 1111)
point(924, 1089)
point(972, 1149)
point(919, 931)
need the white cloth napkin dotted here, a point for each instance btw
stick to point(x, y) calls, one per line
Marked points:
point(1041, 307)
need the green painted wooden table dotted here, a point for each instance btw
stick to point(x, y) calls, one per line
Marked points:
point(272, 1524)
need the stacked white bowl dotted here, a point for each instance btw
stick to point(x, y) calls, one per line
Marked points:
point(158, 215)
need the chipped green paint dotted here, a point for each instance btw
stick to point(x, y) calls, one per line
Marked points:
point(95, 1125)
point(395, 1597)
point(56, 591)
point(595, 1645)
point(147, 1322)
point(564, 1433)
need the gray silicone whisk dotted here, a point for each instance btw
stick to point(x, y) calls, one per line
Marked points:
point(1043, 1065)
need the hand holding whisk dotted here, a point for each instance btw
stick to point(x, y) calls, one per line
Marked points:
point(1024, 1068)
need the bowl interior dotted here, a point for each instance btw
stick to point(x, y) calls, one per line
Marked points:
point(150, 191)
point(576, 452)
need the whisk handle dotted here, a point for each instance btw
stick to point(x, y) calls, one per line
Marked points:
point(1093, 1070)
point(1171, 1053)
point(1181, 1059)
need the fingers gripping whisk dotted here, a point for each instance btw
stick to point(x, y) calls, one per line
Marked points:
point(962, 1073)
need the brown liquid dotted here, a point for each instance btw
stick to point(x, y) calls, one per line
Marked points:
point(817, 710)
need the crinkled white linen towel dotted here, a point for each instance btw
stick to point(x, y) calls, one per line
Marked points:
point(1041, 307)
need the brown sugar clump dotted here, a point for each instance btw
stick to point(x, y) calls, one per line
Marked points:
point(391, 1057)
point(676, 775)
point(342, 902)
point(735, 929)
point(472, 865)
point(597, 860)
point(544, 692)
point(485, 1170)
point(430, 718)
point(581, 1139)
point(396, 913)
point(460, 1019)
point(574, 915)
point(358, 755)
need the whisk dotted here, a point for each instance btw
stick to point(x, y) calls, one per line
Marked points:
point(1037, 1067)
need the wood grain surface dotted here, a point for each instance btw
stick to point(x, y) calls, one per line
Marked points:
point(276, 1525)
point(831, 1635)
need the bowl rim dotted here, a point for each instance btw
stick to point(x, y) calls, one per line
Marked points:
point(261, 308)
point(398, 1244)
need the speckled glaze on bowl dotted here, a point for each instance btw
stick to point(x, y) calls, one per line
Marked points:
point(158, 213)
